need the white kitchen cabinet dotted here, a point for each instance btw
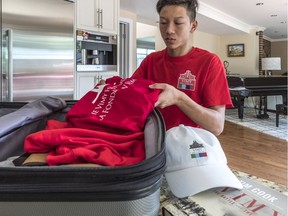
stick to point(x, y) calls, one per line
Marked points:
point(85, 81)
point(98, 15)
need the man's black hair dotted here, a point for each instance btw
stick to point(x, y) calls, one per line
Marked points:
point(190, 5)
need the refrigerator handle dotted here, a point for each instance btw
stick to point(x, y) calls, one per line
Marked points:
point(10, 65)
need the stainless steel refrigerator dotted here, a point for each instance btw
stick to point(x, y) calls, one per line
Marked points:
point(36, 49)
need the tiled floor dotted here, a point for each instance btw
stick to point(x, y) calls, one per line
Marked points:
point(263, 125)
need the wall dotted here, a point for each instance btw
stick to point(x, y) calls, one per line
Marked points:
point(145, 30)
point(279, 49)
point(247, 65)
point(207, 41)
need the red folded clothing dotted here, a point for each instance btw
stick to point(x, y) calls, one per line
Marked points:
point(76, 145)
point(104, 127)
point(122, 105)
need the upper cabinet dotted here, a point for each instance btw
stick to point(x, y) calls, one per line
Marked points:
point(98, 15)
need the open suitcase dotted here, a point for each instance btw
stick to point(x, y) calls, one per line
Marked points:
point(75, 190)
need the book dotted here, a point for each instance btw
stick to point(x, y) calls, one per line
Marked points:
point(254, 199)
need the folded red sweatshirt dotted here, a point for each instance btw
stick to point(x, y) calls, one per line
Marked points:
point(104, 127)
point(122, 105)
point(76, 145)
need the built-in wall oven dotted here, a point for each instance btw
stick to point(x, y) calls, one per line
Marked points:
point(95, 52)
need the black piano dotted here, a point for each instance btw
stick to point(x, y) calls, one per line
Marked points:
point(262, 86)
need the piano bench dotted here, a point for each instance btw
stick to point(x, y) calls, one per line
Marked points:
point(280, 109)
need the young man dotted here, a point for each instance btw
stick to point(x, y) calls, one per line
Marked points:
point(193, 81)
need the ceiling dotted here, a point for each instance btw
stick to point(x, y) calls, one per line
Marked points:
point(223, 17)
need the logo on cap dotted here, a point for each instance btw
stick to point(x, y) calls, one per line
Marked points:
point(197, 150)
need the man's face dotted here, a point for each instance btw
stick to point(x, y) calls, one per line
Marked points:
point(175, 26)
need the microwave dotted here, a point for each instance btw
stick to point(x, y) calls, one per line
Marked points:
point(96, 52)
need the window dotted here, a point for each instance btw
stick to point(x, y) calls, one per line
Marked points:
point(142, 53)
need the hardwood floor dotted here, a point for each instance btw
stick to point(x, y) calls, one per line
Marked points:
point(255, 153)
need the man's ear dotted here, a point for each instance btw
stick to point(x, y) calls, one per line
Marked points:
point(194, 26)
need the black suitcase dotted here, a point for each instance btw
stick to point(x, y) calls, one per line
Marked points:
point(75, 190)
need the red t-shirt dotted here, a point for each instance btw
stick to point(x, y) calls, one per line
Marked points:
point(199, 74)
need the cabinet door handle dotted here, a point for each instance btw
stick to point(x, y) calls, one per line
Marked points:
point(101, 16)
point(98, 18)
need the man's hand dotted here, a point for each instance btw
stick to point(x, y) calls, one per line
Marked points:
point(169, 95)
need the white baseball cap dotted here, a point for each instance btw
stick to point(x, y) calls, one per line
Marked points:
point(196, 162)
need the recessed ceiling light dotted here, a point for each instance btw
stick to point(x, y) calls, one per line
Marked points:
point(259, 3)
